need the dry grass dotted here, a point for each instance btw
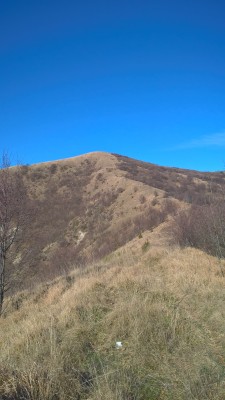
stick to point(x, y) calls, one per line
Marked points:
point(186, 185)
point(83, 209)
point(167, 308)
point(165, 305)
point(88, 206)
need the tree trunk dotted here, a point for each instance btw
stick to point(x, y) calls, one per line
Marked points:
point(2, 282)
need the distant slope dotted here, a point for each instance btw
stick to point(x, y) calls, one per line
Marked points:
point(186, 185)
point(90, 205)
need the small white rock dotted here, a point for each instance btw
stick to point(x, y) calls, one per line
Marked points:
point(119, 345)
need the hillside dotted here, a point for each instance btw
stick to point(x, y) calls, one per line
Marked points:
point(88, 206)
point(105, 266)
point(165, 305)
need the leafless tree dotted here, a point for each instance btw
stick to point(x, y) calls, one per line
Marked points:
point(13, 200)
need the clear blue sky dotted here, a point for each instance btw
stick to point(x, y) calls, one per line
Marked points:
point(141, 78)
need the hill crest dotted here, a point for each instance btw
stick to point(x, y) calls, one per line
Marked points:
point(90, 205)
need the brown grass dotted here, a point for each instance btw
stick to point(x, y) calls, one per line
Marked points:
point(167, 308)
point(85, 208)
point(166, 305)
point(185, 185)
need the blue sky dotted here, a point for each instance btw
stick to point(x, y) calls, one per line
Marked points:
point(144, 79)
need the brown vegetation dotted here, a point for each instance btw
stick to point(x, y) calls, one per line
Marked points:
point(59, 342)
point(91, 205)
point(13, 222)
point(202, 227)
point(164, 303)
point(186, 185)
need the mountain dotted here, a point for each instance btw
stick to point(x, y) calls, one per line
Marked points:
point(103, 270)
point(88, 206)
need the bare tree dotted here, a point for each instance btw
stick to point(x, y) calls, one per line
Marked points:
point(12, 219)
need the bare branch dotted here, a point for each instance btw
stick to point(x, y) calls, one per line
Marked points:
point(13, 201)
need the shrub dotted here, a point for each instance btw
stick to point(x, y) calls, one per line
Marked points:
point(154, 202)
point(145, 246)
point(169, 207)
point(202, 227)
point(53, 168)
point(142, 199)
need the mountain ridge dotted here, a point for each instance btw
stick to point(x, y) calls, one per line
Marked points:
point(90, 205)
point(100, 152)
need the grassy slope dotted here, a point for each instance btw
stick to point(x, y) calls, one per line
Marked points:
point(88, 206)
point(165, 305)
point(85, 208)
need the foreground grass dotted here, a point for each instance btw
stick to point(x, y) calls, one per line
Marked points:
point(167, 310)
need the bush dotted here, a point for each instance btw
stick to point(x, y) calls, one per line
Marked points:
point(145, 246)
point(142, 199)
point(53, 168)
point(202, 227)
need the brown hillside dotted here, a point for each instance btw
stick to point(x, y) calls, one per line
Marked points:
point(88, 206)
point(163, 304)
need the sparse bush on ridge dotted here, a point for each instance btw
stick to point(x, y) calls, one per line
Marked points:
point(53, 168)
point(186, 185)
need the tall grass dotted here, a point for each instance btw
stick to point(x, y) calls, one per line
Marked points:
point(168, 312)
